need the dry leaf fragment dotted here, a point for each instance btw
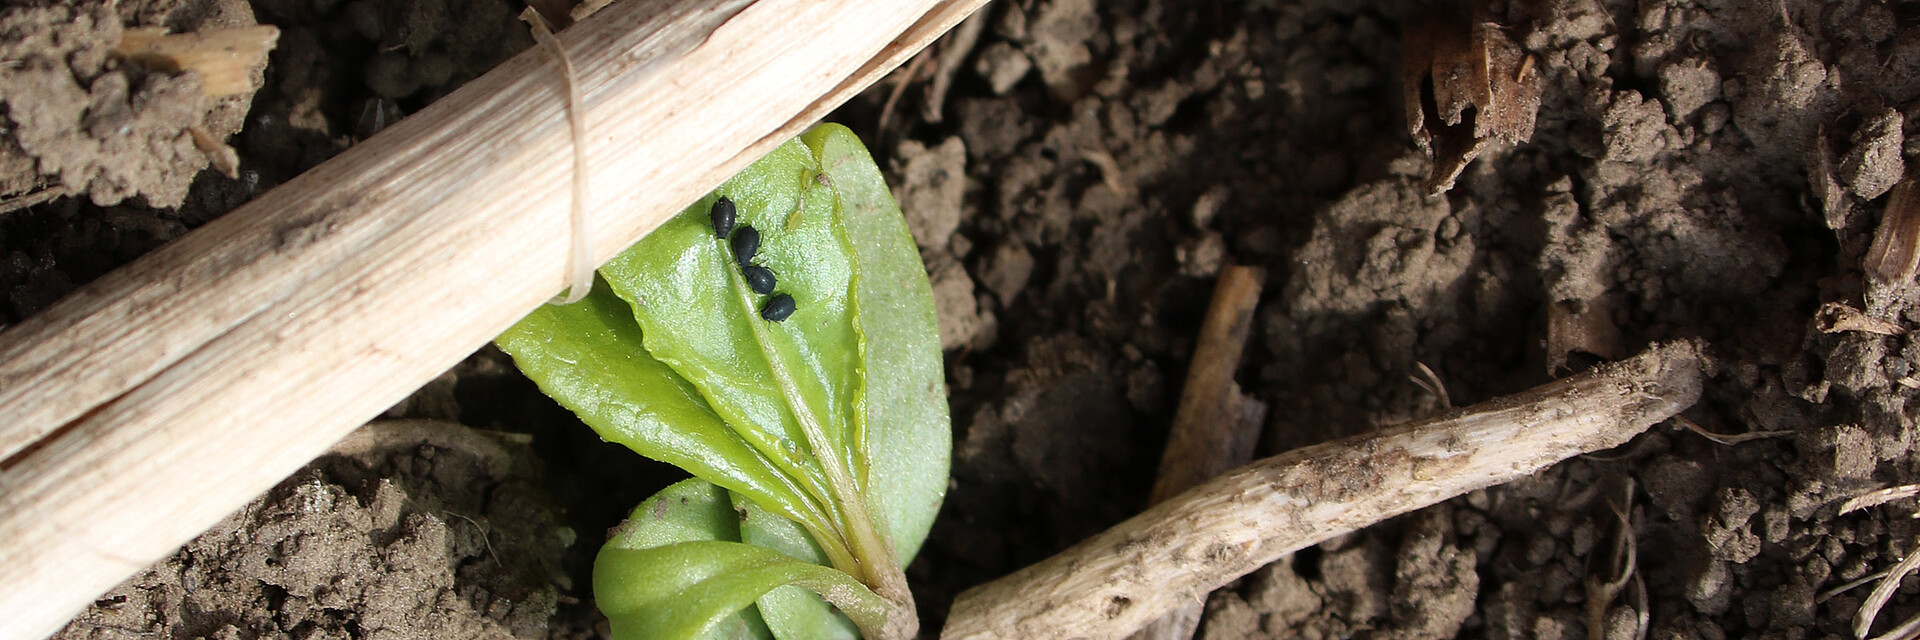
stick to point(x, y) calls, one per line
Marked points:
point(1835, 317)
point(1467, 85)
point(1582, 326)
point(1895, 253)
point(225, 58)
point(1822, 176)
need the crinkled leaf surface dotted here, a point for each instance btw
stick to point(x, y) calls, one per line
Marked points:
point(689, 373)
point(588, 355)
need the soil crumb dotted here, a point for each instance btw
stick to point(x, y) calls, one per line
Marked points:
point(80, 120)
point(410, 530)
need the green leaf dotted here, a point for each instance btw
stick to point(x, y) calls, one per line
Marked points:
point(790, 612)
point(912, 437)
point(773, 381)
point(588, 355)
point(690, 589)
point(800, 418)
point(694, 510)
point(663, 575)
point(691, 510)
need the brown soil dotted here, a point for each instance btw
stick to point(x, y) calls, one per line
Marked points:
point(1699, 168)
point(409, 530)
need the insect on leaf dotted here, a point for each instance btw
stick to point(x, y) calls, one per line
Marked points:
point(829, 425)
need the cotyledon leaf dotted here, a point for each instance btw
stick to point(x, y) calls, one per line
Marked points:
point(690, 589)
point(691, 510)
point(668, 572)
point(696, 510)
point(791, 613)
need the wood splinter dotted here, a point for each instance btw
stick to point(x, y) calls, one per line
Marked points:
point(226, 59)
point(1178, 550)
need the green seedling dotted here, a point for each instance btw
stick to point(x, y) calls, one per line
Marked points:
point(818, 435)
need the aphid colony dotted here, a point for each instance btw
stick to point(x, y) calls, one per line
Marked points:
point(745, 244)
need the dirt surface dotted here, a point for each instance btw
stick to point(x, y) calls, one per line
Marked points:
point(409, 530)
point(1714, 169)
point(82, 120)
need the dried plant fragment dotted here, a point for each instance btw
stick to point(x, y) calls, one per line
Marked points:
point(223, 157)
point(224, 58)
point(587, 8)
point(1467, 86)
point(1835, 317)
point(1823, 175)
point(1582, 326)
point(580, 253)
point(1879, 497)
point(1895, 253)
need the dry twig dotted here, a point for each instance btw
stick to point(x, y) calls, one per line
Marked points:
point(1215, 427)
point(1835, 317)
point(580, 262)
point(1728, 439)
point(1882, 592)
point(907, 76)
point(1889, 579)
point(15, 203)
point(1177, 550)
point(1431, 382)
point(1849, 586)
point(953, 54)
point(1626, 562)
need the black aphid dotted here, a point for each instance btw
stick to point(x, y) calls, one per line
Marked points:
point(778, 308)
point(745, 244)
point(759, 278)
point(722, 216)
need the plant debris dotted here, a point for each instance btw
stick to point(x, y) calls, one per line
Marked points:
point(1467, 85)
point(1895, 253)
point(228, 60)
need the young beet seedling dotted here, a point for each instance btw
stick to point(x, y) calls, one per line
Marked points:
point(813, 417)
